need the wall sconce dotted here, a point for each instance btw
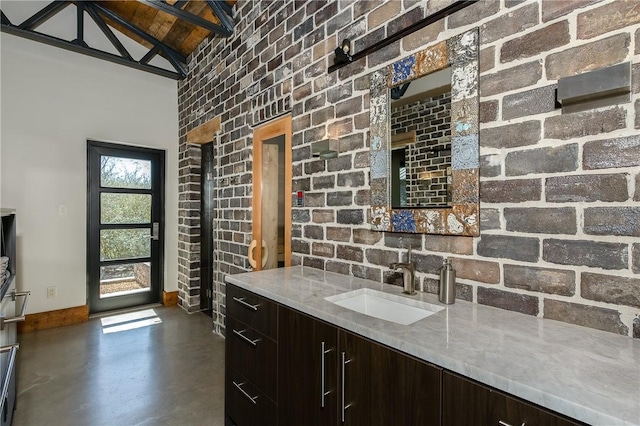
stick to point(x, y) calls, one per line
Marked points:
point(595, 89)
point(343, 53)
point(325, 149)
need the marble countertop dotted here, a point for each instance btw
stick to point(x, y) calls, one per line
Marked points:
point(589, 375)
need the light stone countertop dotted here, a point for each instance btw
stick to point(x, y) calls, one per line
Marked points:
point(589, 375)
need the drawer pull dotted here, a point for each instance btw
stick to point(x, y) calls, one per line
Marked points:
point(241, 301)
point(249, 397)
point(253, 343)
point(23, 310)
point(501, 423)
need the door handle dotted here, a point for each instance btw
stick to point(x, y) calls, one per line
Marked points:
point(155, 231)
point(265, 254)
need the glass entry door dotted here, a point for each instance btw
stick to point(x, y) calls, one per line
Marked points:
point(125, 238)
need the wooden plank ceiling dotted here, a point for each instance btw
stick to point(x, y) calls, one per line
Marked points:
point(180, 35)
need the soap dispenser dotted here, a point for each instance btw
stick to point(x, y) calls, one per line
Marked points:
point(447, 291)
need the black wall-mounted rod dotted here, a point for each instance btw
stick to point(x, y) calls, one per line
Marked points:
point(435, 17)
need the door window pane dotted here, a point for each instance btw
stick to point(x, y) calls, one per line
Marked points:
point(124, 243)
point(119, 172)
point(125, 208)
point(119, 280)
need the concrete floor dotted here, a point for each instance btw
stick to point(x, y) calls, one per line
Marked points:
point(170, 373)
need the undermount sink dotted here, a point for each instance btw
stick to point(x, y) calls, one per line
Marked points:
point(385, 306)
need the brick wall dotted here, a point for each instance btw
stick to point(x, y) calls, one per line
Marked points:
point(428, 160)
point(560, 194)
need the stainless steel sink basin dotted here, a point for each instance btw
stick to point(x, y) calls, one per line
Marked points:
point(385, 306)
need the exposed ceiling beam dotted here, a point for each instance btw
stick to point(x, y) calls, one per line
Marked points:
point(43, 15)
point(57, 42)
point(107, 32)
point(5, 20)
point(221, 9)
point(228, 9)
point(80, 22)
point(150, 54)
point(188, 17)
point(137, 31)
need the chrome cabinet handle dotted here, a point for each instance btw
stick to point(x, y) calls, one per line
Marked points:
point(323, 393)
point(249, 397)
point(12, 349)
point(241, 301)
point(501, 423)
point(253, 343)
point(345, 361)
point(23, 311)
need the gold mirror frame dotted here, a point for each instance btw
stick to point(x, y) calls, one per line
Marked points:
point(463, 216)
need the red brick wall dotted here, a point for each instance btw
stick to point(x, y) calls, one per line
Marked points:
point(560, 211)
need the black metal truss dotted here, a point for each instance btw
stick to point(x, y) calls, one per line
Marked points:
point(98, 13)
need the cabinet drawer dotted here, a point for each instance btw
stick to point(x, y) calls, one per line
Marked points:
point(245, 404)
point(253, 354)
point(255, 311)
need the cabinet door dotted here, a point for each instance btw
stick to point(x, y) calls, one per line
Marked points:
point(355, 374)
point(403, 390)
point(307, 370)
point(466, 402)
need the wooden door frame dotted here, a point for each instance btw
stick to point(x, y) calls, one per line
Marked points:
point(278, 127)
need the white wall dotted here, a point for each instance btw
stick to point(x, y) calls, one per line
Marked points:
point(52, 102)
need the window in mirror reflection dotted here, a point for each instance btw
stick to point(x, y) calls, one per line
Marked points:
point(421, 142)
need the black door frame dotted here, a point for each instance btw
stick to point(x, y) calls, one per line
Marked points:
point(95, 149)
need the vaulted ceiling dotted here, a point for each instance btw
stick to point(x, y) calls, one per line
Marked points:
point(153, 35)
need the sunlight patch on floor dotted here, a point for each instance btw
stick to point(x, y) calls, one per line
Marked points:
point(129, 321)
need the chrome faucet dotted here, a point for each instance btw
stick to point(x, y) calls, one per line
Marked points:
point(408, 273)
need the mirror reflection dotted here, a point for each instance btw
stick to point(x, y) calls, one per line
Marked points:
point(420, 113)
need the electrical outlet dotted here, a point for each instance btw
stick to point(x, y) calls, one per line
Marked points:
point(52, 292)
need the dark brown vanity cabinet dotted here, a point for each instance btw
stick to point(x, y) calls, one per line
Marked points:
point(251, 356)
point(328, 376)
point(286, 368)
point(466, 402)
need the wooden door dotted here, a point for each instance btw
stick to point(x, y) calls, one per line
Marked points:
point(271, 243)
point(307, 366)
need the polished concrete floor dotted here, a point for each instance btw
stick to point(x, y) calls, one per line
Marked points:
point(168, 373)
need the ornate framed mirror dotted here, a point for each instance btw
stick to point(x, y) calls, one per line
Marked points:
point(424, 147)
